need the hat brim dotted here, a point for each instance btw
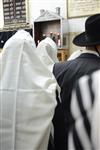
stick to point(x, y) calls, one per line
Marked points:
point(81, 40)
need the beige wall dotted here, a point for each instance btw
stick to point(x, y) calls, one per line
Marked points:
point(0, 49)
point(72, 47)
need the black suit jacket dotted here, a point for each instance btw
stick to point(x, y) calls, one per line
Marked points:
point(66, 74)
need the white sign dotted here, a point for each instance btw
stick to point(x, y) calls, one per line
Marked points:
point(79, 8)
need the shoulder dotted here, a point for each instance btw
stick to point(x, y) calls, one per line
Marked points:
point(60, 67)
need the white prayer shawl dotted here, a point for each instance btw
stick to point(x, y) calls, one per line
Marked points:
point(27, 96)
point(47, 52)
point(96, 111)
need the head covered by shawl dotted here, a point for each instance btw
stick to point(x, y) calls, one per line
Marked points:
point(27, 94)
point(47, 52)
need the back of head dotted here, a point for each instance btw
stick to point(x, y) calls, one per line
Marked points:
point(47, 52)
point(49, 41)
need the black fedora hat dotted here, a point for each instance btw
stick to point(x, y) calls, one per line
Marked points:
point(91, 36)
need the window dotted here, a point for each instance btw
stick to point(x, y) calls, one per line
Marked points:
point(14, 11)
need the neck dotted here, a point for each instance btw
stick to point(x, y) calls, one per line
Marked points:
point(94, 48)
point(97, 49)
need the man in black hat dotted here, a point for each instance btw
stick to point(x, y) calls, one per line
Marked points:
point(68, 72)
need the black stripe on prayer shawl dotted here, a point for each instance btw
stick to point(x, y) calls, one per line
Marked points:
point(92, 99)
point(82, 110)
point(90, 88)
point(76, 140)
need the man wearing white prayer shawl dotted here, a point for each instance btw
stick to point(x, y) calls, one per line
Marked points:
point(47, 52)
point(27, 96)
point(85, 109)
point(68, 72)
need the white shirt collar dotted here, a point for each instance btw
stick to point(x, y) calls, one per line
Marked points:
point(90, 52)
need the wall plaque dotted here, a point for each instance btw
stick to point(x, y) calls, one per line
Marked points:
point(81, 8)
point(14, 11)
